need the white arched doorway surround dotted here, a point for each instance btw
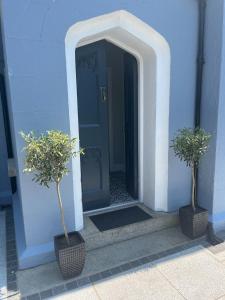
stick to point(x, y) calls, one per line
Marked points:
point(153, 56)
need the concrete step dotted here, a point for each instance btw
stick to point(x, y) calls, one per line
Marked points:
point(95, 239)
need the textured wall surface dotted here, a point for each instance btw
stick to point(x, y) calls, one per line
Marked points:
point(34, 33)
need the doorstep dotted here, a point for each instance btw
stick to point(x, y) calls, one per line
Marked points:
point(96, 239)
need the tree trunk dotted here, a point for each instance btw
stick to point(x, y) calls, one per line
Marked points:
point(193, 187)
point(62, 213)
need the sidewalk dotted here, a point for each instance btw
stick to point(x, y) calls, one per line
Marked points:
point(112, 259)
point(160, 265)
point(195, 273)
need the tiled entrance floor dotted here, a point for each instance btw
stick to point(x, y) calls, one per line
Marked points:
point(118, 192)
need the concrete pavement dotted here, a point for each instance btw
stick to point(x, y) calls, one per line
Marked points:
point(47, 276)
point(194, 273)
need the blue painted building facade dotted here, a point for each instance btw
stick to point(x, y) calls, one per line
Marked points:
point(36, 74)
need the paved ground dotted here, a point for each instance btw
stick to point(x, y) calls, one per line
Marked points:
point(3, 271)
point(192, 274)
point(160, 265)
point(44, 277)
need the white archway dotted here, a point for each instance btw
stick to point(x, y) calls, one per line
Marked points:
point(153, 56)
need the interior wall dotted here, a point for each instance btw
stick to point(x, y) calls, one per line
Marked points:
point(116, 107)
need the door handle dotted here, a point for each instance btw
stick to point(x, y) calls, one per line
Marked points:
point(103, 92)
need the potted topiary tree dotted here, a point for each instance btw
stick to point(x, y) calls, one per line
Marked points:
point(47, 157)
point(190, 145)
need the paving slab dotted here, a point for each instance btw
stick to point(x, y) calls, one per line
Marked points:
point(142, 284)
point(87, 293)
point(218, 251)
point(195, 273)
point(191, 274)
point(3, 270)
point(46, 276)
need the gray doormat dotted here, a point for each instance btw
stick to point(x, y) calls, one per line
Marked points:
point(119, 218)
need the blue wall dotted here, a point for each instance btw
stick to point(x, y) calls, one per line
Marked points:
point(212, 171)
point(34, 34)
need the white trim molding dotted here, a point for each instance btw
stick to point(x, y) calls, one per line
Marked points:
point(153, 56)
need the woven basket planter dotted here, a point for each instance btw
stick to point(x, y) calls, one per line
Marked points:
point(70, 258)
point(193, 224)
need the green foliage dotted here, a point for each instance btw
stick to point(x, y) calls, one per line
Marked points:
point(190, 145)
point(47, 155)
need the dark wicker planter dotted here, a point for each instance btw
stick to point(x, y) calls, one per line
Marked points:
point(193, 224)
point(70, 258)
